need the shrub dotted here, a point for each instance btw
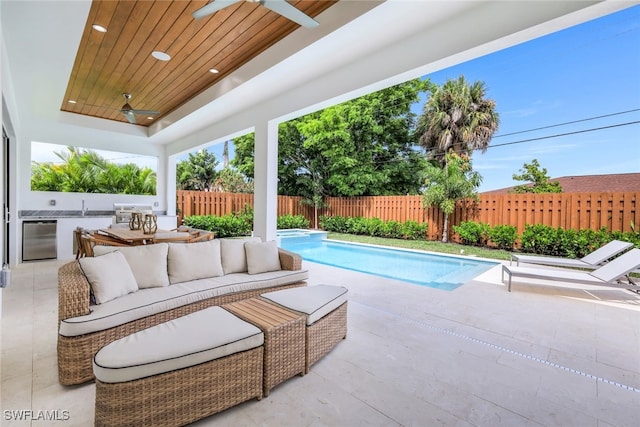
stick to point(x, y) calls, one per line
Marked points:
point(231, 225)
point(540, 239)
point(545, 240)
point(374, 227)
point(292, 221)
point(413, 230)
point(503, 236)
point(472, 233)
point(333, 223)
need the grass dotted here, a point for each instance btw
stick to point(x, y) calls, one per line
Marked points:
point(446, 248)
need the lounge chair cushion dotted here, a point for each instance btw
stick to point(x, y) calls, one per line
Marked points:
point(313, 301)
point(262, 257)
point(192, 261)
point(148, 262)
point(176, 344)
point(234, 259)
point(109, 276)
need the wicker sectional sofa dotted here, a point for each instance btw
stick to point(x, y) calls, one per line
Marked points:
point(124, 290)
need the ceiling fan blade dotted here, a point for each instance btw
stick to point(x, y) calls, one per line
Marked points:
point(290, 12)
point(129, 115)
point(150, 112)
point(212, 7)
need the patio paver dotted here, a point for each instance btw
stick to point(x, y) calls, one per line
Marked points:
point(477, 355)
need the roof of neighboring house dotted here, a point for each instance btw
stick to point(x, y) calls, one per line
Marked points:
point(591, 183)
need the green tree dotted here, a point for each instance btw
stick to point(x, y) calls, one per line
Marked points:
point(85, 171)
point(445, 186)
point(538, 178)
point(360, 147)
point(198, 172)
point(229, 180)
point(457, 117)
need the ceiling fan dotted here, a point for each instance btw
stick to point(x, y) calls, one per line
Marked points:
point(129, 112)
point(278, 6)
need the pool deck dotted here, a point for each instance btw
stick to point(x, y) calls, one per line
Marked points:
point(414, 356)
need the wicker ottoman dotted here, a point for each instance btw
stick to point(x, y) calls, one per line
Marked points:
point(179, 371)
point(325, 310)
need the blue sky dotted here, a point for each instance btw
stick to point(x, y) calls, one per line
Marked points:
point(587, 71)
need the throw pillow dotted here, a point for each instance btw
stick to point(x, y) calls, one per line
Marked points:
point(262, 257)
point(148, 262)
point(191, 261)
point(109, 276)
point(234, 258)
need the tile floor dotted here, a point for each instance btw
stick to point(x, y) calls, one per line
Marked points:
point(414, 356)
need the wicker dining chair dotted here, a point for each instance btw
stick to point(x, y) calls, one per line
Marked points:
point(91, 240)
point(77, 236)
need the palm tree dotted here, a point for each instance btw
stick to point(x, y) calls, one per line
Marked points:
point(198, 172)
point(85, 171)
point(457, 117)
point(446, 185)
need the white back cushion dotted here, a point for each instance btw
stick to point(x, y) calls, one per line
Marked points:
point(234, 258)
point(148, 262)
point(262, 257)
point(191, 261)
point(109, 276)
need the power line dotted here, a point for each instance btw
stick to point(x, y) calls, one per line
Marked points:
point(564, 134)
point(569, 123)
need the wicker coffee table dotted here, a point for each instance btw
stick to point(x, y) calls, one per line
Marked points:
point(284, 338)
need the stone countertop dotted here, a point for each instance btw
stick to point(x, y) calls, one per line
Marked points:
point(55, 214)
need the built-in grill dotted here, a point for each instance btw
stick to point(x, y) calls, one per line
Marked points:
point(123, 211)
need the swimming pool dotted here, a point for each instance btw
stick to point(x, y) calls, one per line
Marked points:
point(436, 271)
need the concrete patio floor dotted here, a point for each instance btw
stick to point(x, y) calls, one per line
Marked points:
point(414, 356)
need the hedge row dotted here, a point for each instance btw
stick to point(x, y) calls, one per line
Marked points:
point(541, 239)
point(410, 230)
point(239, 224)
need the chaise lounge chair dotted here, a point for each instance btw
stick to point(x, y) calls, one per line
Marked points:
point(592, 261)
point(606, 275)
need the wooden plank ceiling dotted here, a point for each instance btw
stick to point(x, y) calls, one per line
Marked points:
point(119, 61)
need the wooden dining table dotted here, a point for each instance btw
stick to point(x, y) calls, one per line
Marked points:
point(138, 237)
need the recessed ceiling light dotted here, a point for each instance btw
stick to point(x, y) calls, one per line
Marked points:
point(99, 28)
point(214, 71)
point(71, 101)
point(150, 118)
point(160, 55)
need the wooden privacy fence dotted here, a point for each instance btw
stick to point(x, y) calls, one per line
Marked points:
point(612, 211)
point(213, 203)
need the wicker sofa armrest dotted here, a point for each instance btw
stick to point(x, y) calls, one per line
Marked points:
point(289, 260)
point(73, 292)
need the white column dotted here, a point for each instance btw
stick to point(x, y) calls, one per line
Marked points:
point(265, 196)
point(170, 163)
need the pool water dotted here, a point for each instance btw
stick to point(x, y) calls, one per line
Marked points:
point(436, 271)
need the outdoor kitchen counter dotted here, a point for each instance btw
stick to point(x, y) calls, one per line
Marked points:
point(55, 214)
point(67, 221)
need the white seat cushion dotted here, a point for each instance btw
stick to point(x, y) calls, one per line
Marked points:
point(191, 261)
point(109, 275)
point(313, 301)
point(148, 262)
point(186, 341)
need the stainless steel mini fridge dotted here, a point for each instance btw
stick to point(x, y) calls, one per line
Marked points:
point(39, 240)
